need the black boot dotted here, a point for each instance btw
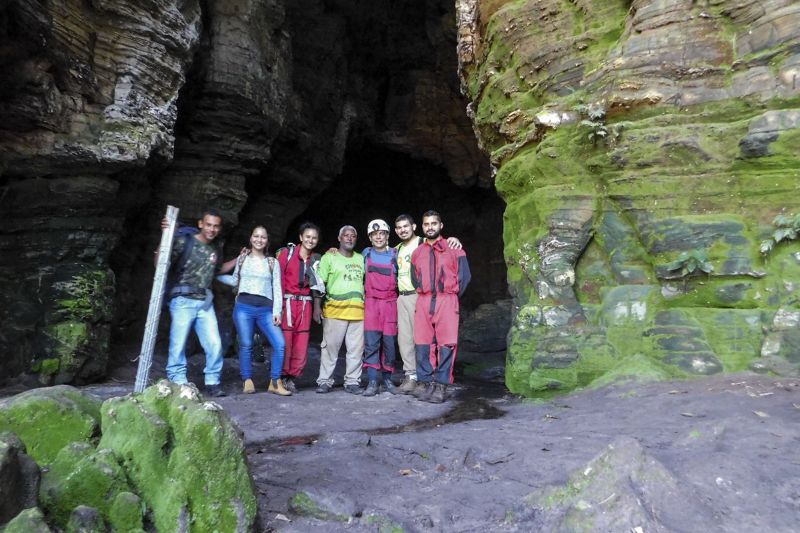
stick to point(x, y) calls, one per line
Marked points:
point(288, 384)
point(390, 387)
point(424, 391)
point(372, 389)
point(438, 393)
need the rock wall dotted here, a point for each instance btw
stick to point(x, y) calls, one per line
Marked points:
point(87, 107)
point(111, 109)
point(643, 150)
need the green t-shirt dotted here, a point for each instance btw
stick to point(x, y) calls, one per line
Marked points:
point(404, 252)
point(344, 286)
point(203, 262)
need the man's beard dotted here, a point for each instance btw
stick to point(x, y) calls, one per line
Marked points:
point(434, 236)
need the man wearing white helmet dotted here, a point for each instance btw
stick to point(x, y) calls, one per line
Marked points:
point(380, 308)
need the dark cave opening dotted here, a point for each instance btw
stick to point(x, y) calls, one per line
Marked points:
point(375, 127)
point(379, 183)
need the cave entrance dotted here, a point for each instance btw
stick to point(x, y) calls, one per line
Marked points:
point(379, 183)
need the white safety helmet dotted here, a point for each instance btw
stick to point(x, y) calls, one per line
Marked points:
point(377, 225)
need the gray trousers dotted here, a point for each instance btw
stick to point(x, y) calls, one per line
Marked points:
point(405, 333)
point(334, 332)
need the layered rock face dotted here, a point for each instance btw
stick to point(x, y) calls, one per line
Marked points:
point(113, 109)
point(88, 104)
point(643, 150)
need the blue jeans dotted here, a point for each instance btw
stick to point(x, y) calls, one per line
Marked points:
point(185, 313)
point(246, 317)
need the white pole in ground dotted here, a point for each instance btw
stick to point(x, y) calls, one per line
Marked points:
point(156, 299)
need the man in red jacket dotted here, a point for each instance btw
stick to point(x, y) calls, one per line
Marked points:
point(440, 275)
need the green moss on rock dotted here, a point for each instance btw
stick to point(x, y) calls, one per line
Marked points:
point(383, 524)
point(66, 339)
point(49, 367)
point(77, 316)
point(125, 514)
point(301, 503)
point(28, 521)
point(653, 202)
point(185, 457)
point(81, 475)
point(48, 419)
point(685, 166)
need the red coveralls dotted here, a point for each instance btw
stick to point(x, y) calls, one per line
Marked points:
point(440, 276)
point(298, 308)
point(380, 312)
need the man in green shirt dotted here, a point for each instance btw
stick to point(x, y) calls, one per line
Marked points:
point(343, 313)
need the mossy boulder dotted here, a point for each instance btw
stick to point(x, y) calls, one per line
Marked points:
point(28, 521)
point(621, 153)
point(85, 519)
point(184, 456)
point(19, 478)
point(164, 457)
point(622, 489)
point(81, 475)
point(126, 513)
point(48, 419)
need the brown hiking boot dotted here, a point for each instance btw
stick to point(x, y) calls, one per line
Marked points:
point(408, 386)
point(248, 387)
point(423, 391)
point(276, 387)
point(438, 394)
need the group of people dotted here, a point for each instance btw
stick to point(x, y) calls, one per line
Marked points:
point(373, 302)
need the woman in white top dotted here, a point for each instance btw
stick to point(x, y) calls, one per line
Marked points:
point(258, 303)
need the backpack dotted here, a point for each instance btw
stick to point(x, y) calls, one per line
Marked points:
point(175, 272)
point(315, 282)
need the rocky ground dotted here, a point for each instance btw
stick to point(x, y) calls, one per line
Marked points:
point(712, 454)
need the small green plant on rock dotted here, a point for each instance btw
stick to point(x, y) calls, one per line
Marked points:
point(595, 123)
point(691, 262)
point(88, 296)
point(688, 264)
point(786, 229)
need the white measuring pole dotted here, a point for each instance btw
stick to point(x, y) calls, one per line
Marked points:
point(156, 299)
